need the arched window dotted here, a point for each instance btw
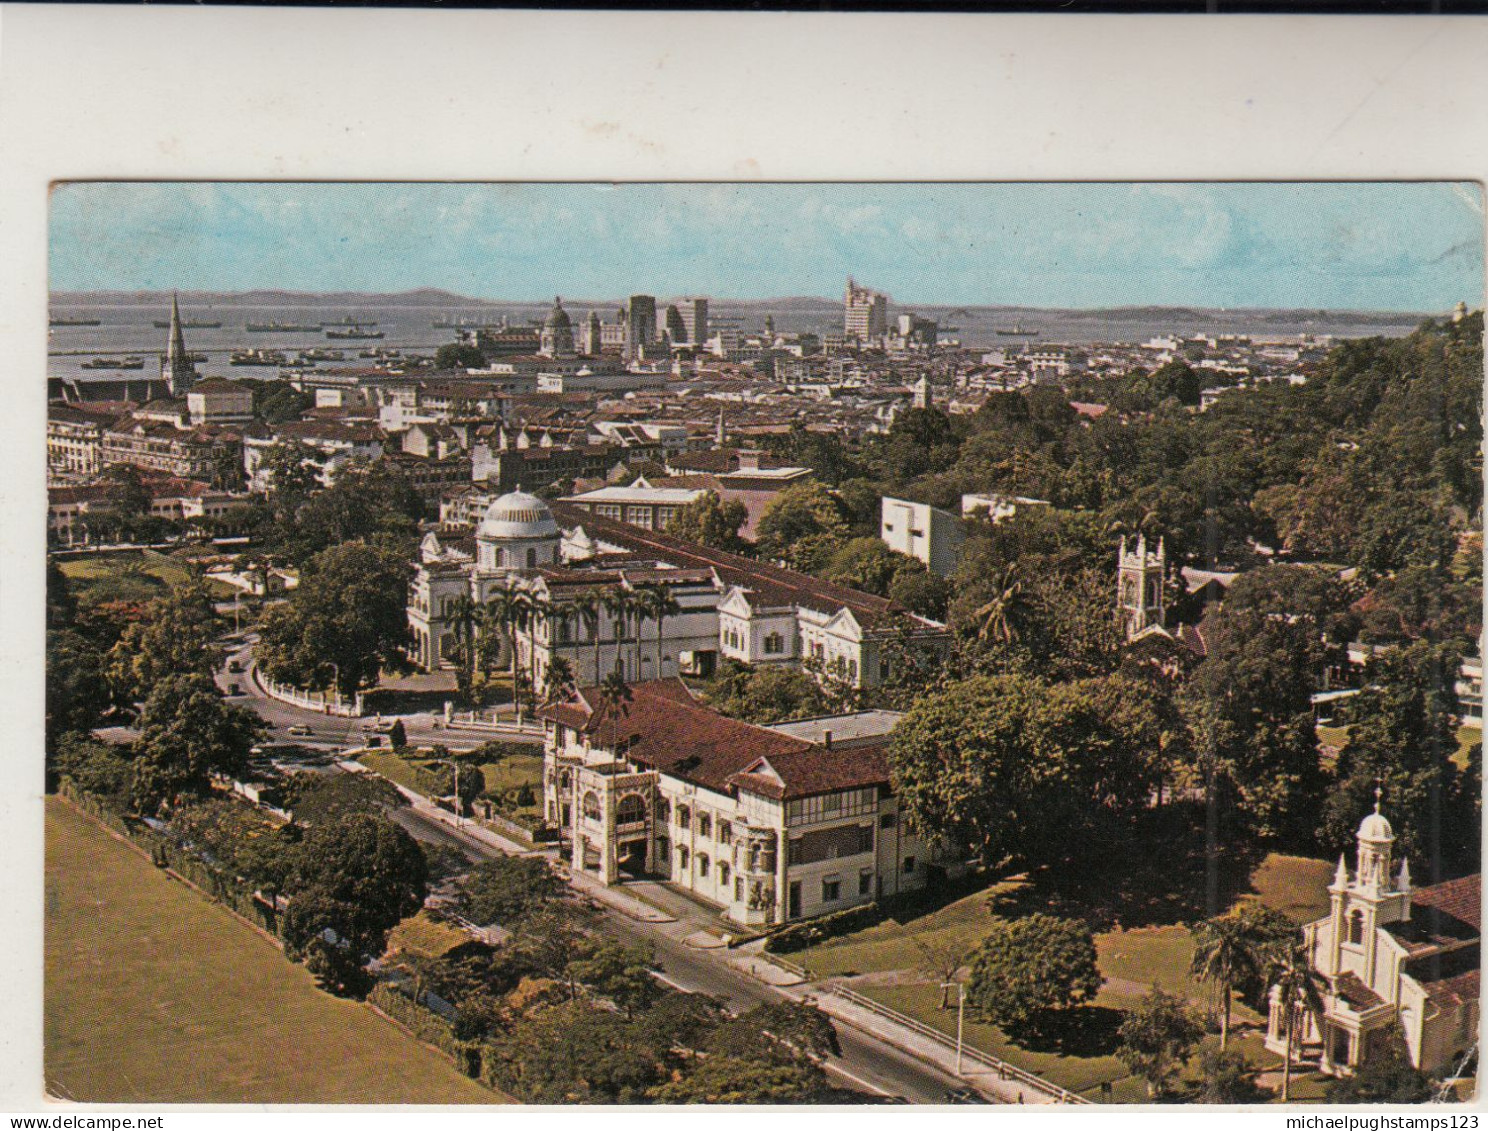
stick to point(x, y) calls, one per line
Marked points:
point(663, 810)
point(1356, 927)
point(723, 873)
point(702, 863)
point(684, 817)
point(565, 779)
point(591, 805)
point(682, 857)
point(631, 809)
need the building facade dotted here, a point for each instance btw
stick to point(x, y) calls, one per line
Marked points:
point(1391, 953)
point(769, 825)
point(925, 533)
point(865, 313)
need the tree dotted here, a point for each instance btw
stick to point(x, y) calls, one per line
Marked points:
point(797, 515)
point(77, 691)
point(942, 959)
point(1002, 617)
point(350, 882)
point(615, 697)
point(1228, 1078)
point(315, 799)
point(1157, 1037)
point(187, 733)
point(575, 1052)
point(709, 521)
point(507, 890)
point(658, 602)
point(1386, 1076)
point(1403, 738)
point(347, 620)
point(558, 681)
point(588, 606)
point(398, 736)
point(620, 605)
point(459, 355)
point(507, 608)
point(1235, 949)
point(719, 1079)
point(97, 768)
point(174, 637)
point(463, 615)
point(620, 973)
point(869, 565)
point(1028, 971)
point(765, 695)
point(1300, 989)
point(1010, 767)
point(920, 591)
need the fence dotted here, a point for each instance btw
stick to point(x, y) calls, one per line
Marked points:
point(325, 702)
point(1001, 1067)
point(490, 721)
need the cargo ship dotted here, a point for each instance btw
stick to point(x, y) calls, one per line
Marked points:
point(354, 332)
point(74, 322)
point(115, 363)
point(280, 328)
point(188, 324)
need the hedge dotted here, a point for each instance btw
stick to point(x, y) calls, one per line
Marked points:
point(166, 853)
point(427, 1026)
point(799, 936)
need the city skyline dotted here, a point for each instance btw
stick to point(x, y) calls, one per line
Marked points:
point(1359, 246)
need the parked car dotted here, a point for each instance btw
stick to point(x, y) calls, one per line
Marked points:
point(374, 740)
point(301, 731)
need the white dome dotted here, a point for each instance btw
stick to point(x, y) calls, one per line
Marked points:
point(1375, 827)
point(518, 517)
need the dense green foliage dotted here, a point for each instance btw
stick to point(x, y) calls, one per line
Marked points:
point(1157, 1037)
point(506, 890)
point(1028, 972)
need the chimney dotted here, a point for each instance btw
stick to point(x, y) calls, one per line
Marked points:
point(827, 739)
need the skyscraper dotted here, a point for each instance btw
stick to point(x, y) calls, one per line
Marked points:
point(176, 366)
point(640, 324)
point(695, 319)
point(865, 312)
point(675, 329)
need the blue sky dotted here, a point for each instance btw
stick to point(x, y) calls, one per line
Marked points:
point(1416, 247)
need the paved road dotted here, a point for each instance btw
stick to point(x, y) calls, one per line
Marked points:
point(866, 1064)
point(329, 732)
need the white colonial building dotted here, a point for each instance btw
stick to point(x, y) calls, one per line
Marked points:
point(1391, 953)
point(769, 824)
point(573, 565)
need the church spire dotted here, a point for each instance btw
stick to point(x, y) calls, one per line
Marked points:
point(176, 367)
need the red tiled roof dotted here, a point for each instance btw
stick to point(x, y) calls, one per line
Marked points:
point(770, 586)
point(1449, 978)
point(819, 770)
point(1460, 899)
point(670, 731)
point(1359, 996)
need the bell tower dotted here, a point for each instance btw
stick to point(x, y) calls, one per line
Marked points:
point(1139, 586)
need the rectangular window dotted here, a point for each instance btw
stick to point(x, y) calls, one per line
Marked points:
point(909, 863)
point(888, 821)
point(725, 833)
point(705, 825)
point(738, 889)
point(865, 838)
point(831, 890)
point(793, 853)
point(865, 882)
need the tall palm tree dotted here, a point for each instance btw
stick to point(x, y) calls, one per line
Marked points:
point(559, 680)
point(464, 613)
point(1300, 988)
point(508, 609)
point(1228, 951)
point(660, 603)
point(538, 613)
point(1001, 617)
point(615, 695)
point(619, 604)
point(587, 606)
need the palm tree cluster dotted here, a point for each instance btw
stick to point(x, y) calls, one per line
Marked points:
point(512, 612)
point(1251, 946)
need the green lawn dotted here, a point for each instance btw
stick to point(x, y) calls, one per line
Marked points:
point(1131, 961)
point(1467, 738)
point(154, 995)
point(512, 772)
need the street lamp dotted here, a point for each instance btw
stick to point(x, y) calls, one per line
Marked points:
point(960, 1019)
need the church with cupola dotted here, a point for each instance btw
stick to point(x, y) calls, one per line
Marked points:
point(1391, 953)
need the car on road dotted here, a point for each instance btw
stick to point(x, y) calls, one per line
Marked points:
point(300, 731)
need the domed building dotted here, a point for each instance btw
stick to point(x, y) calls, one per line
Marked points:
point(516, 533)
point(557, 339)
point(1390, 953)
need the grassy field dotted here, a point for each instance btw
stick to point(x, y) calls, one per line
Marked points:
point(141, 574)
point(1467, 738)
point(154, 995)
point(891, 957)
